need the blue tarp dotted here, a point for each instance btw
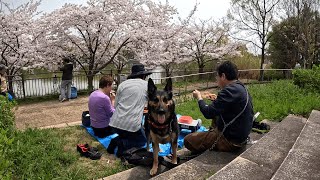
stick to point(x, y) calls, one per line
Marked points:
point(165, 149)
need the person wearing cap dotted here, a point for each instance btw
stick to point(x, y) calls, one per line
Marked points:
point(131, 98)
point(66, 82)
point(3, 81)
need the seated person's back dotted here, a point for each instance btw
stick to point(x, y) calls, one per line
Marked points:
point(129, 104)
point(130, 101)
point(101, 107)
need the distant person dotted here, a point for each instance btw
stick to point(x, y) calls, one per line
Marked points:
point(101, 107)
point(3, 81)
point(232, 106)
point(131, 98)
point(297, 66)
point(65, 90)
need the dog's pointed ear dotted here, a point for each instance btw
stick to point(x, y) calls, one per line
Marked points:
point(168, 87)
point(152, 89)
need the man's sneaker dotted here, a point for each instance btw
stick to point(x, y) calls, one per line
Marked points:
point(64, 99)
point(260, 127)
point(94, 155)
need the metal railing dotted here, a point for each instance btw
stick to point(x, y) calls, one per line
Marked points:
point(46, 84)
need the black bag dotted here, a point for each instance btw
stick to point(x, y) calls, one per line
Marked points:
point(86, 119)
point(139, 156)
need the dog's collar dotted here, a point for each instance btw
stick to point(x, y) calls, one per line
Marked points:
point(157, 126)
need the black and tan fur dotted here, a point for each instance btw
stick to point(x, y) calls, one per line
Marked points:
point(161, 104)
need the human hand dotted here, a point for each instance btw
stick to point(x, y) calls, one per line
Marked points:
point(112, 95)
point(196, 94)
point(210, 96)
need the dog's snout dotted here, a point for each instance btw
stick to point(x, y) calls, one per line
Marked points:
point(161, 111)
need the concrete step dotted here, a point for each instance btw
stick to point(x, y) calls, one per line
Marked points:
point(206, 164)
point(263, 159)
point(303, 161)
point(201, 166)
point(141, 173)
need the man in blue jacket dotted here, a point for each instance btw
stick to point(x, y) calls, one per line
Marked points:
point(233, 109)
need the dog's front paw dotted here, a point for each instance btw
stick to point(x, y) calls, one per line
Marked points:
point(153, 171)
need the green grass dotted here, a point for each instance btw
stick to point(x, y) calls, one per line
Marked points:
point(273, 100)
point(39, 154)
point(51, 154)
point(191, 108)
point(278, 99)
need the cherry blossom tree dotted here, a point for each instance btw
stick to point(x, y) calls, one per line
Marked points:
point(166, 51)
point(97, 32)
point(19, 37)
point(167, 48)
point(207, 41)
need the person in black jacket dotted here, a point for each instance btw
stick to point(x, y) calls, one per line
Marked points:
point(66, 82)
point(233, 111)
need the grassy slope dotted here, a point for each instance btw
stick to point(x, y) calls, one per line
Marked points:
point(274, 101)
point(51, 153)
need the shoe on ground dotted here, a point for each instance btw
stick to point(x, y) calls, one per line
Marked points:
point(89, 152)
point(64, 99)
point(90, 148)
point(94, 155)
point(260, 127)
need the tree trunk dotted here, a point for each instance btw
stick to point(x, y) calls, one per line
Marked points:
point(168, 74)
point(90, 83)
point(261, 64)
point(201, 70)
point(118, 78)
point(10, 82)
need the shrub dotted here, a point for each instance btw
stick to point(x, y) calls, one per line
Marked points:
point(247, 61)
point(307, 78)
point(6, 137)
point(6, 114)
point(5, 163)
point(276, 75)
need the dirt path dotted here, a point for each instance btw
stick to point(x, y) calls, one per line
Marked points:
point(50, 113)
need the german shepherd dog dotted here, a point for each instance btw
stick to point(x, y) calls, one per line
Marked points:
point(161, 124)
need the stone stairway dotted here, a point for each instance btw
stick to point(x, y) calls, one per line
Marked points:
point(303, 160)
point(198, 166)
point(263, 159)
point(291, 150)
point(139, 172)
point(272, 147)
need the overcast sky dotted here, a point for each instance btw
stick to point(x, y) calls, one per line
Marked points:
point(206, 8)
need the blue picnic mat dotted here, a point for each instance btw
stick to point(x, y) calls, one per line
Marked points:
point(165, 149)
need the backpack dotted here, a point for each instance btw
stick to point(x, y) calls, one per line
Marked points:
point(139, 157)
point(74, 92)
